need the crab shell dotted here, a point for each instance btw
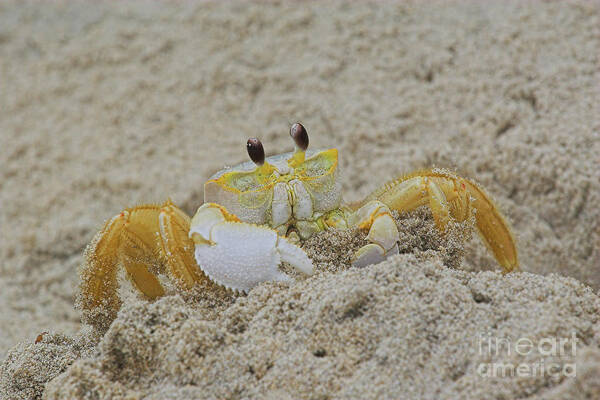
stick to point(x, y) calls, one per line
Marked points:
point(286, 193)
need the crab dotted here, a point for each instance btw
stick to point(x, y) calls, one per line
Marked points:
point(256, 214)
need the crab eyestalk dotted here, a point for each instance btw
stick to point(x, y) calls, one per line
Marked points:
point(257, 155)
point(300, 136)
point(256, 151)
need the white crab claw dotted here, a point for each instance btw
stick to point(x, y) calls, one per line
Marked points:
point(383, 234)
point(239, 255)
point(367, 255)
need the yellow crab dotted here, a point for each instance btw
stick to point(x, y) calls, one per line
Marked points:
point(256, 212)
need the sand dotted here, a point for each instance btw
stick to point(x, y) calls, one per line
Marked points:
point(104, 106)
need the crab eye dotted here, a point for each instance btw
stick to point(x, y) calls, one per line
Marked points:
point(256, 151)
point(300, 136)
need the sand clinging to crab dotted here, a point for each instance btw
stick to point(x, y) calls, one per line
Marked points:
point(257, 213)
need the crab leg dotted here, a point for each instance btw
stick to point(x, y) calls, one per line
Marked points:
point(177, 249)
point(493, 228)
point(453, 197)
point(137, 239)
point(240, 255)
point(99, 271)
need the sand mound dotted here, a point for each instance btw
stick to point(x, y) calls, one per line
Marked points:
point(406, 326)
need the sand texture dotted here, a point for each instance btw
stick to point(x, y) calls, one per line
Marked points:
point(105, 105)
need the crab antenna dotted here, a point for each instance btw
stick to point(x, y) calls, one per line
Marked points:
point(256, 151)
point(300, 136)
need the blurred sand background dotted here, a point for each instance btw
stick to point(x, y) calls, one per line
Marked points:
point(106, 105)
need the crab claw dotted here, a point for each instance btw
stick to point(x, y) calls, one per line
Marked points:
point(239, 255)
point(383, 234)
